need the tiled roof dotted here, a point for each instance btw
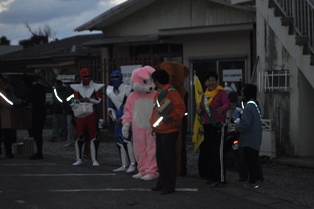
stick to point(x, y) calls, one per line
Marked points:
point(72, 46)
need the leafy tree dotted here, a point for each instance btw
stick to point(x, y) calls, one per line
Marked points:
point(4, 41)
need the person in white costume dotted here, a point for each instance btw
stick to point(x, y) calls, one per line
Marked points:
point(89, 92)
point(117, 94)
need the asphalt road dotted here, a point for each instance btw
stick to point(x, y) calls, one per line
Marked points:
point(54, 183)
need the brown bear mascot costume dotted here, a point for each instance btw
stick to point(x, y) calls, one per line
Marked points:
point(177, 74)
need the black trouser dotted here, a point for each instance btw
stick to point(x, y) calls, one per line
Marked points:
point(8, 137)
point(166, 160)
point(211, 160)
point(36, 131)
point(243, 167)
point(249, 165)
point(183, 152)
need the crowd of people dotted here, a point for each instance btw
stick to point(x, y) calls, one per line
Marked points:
point(152, 150)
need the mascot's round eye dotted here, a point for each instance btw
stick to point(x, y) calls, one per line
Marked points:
point(144, 81)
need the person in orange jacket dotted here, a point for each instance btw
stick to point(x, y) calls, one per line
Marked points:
point(166, 120)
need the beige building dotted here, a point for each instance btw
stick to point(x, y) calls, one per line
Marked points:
point(243, 40)
point(204, 35)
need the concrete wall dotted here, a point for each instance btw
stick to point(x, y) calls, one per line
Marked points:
point(292, 112)
point(304, 140)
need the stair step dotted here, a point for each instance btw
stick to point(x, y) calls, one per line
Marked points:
point(271, 4)
point(307, 50)
point(288, 21)
point(312, 60)
point(301, 40)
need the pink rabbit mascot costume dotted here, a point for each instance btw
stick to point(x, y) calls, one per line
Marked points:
point(138, 109)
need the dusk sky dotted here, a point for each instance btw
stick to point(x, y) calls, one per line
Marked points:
point(62, 16)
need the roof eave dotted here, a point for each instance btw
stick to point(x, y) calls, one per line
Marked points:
point(206, 29)
point(113, 15)
point(49, 57)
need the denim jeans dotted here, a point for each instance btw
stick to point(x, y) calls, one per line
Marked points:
point(71, 129)
point(59, 126)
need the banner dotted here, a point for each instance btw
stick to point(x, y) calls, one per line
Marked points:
point(198, 133)
point(126, 71)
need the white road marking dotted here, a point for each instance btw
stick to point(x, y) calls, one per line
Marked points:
point(119, 190)
point(63, 174)
point(187, 189)
point(24, 164)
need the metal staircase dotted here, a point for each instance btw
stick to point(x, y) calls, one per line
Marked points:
point(299, 16)
point(293, 23)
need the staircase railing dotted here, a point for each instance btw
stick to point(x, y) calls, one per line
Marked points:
point(302, 12)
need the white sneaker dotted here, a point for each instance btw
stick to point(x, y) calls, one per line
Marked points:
point(95, 163)
point(137, 176)
point(70, 144)
point(78, 162)
point(122, 168)
point(131, 168)
point(148, 177)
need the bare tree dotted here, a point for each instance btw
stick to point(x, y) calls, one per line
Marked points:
point(42, 31)
point(40, 36)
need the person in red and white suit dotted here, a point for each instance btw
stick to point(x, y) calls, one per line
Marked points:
point(89, 92)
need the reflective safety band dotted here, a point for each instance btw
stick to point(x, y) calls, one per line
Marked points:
point(157, 102)
point(157, 122)
point(6, 99)
point(56, 94)
point(252, 102)
point(70, 97)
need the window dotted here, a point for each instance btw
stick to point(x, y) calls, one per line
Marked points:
point(274, 81)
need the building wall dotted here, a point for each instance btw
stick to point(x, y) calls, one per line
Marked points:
point(292, 112)
point(206, 46)
point(176, 14)
point(228, 45)
point(167, 14)
point(214, 46)
point(304, 140)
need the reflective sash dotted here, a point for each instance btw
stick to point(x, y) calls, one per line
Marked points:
point(210, 115)
point(259, 112)
point(162, 95)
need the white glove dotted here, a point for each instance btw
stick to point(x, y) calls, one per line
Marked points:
point(237, 121)
point(112, 114)
point(125, 130)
